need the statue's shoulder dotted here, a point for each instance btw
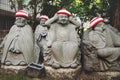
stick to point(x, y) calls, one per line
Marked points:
point(27, 27)
point(72, 25)
point(53, 25)
point(14, 26)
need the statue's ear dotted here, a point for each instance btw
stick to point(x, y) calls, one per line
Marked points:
point(74, 21)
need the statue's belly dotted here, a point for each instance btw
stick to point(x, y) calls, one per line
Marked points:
point(65, 52)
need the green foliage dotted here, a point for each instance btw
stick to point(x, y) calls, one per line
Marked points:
point(34, 3)
point(50, 7)
point(88, 7)
point(79, 7)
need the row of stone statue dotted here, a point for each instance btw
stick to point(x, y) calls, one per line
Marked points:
point(57, 40)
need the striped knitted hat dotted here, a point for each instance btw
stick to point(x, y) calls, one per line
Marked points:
point(21, 13)
point(95, 21)
point(63, 11)
point(44, 17)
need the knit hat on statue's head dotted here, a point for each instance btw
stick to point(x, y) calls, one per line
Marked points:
point(95, 21)
point(63, 11)
point(44, 17)
point(21, 13)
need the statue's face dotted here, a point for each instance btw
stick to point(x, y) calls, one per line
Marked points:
point(44, 31)
point(98, 29)
point(42, 21)
point(20, 21)
point(63, 19)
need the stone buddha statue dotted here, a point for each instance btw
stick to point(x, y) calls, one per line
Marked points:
point(106, 41)
point(62, 44)
point(40, 37)
point(18, 43)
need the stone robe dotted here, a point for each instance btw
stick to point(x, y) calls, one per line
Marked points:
point(108, 44)
point(64, 45)
point(19, 39)
point(40, 34)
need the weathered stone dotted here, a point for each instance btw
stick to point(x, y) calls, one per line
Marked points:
point(108, 75)
point(63, 43)
point(18, 43)
point(62, 73)
point(40, 34)
point(13, 69)
point(101, 47)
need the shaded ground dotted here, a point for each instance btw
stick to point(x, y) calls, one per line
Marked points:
point(21, 75)
point(9, 75)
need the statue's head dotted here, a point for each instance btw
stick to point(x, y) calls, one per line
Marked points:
point(43, 19)
point(99, 29)
point(63, 16)
point(21, 18)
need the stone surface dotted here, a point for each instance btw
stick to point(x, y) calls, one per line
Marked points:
point(62, 73)
point(18, 43)
point(108, 75)
point(13, 69)
point(40, 34)
point(63, 43)
point(101, 49)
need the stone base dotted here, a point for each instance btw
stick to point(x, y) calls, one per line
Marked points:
point(108, 75)
point(62, 73)
point(13, 69)
point(76, 74)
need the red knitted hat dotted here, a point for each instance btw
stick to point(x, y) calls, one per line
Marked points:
point(95, 21)
point(44, 17)
point(21, 13)
point(63, 11)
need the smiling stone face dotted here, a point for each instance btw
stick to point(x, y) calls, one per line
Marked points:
point(20, 21)
point(62, 19)
point(42, 21)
